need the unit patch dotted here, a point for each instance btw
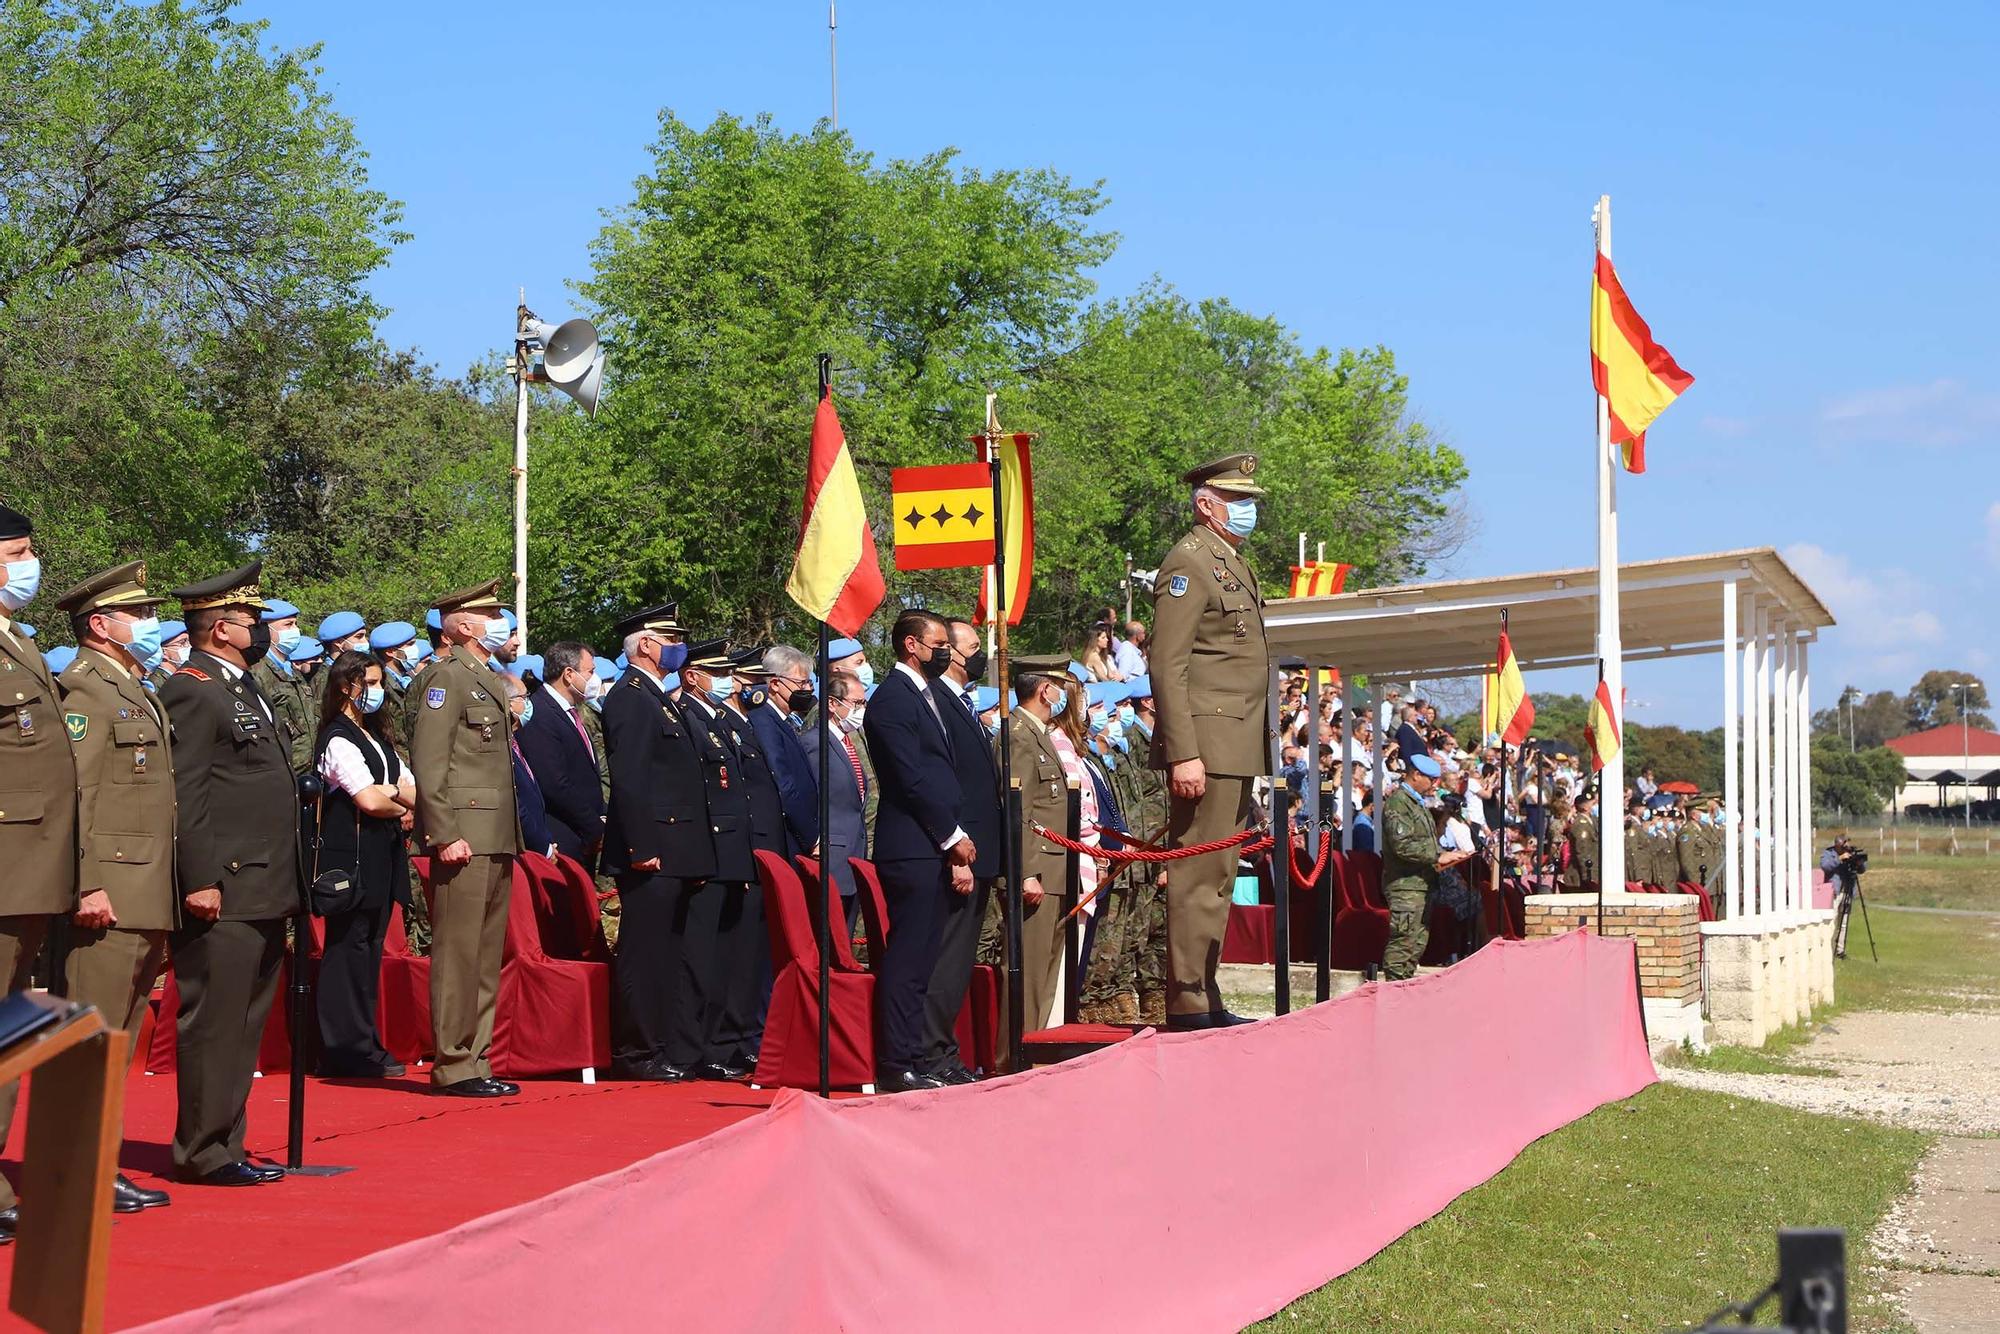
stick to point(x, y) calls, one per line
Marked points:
point(1177, 586)
point(434, 697)
point(78, 724)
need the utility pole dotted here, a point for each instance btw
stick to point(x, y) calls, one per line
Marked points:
point(833, 58)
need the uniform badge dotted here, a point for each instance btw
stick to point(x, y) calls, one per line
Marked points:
point(78, 724)
point(724, 771)
point(139, 760)
point(124, 713)
point(1177, 586)
point(434, 697)
point(478, 694)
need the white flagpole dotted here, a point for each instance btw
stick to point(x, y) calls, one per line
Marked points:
point(1610, 649)
point(992, 589)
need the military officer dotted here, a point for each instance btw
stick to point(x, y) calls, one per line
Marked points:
point(1210, 675)
point(37, 794)
point(1584, 857)
point(394, 645)
point(749, 983)
point(342, 631)
point(237, 873)
point(125, 811)
point(284, 687)
point(1410, 863)
point(1040, 695)
point(433, 628)
point(173, 652)
point(464, 770)
point(659, 846)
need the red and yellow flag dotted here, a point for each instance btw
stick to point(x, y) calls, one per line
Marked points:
point(1017, 513)
point(1635, 375)
point(835, 577)
point(1602, 728)
point(1513, 713)
point(1319, 578)
point(943, 516)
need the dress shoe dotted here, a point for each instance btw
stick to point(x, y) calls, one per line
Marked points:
point(655, 1070)
point(906, 1081)
point(10, 1218)
point(229, 1174)
point(1196, 1023)
point(392, 1070)
point(954, 1074)
point(508, 1088)
point(269, 1171)
point(710, 1071)
point(738, 1069)
point(127, 1198)
point(478, 1088)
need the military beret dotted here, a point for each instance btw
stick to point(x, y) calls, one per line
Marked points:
point(620, 663)
point(1425, 765)
point(527, 662)
point(1079, 671)
point(477, 597)
point(842, 648)
point(339, 626)
point(121, 586)
point(710, 655)
point(277, 609)
point(14, 524)
point(59, 658)
point(606, 669)
point(1106, 693)
point(238, 588)
point(391, 634)
point(659, 619)
point(172, 630)
point(306, 650)
point(984, 698)
point(1139, 687)
point(433, 621)
point(1232, 473)
point(507, 615)
point(27, 630)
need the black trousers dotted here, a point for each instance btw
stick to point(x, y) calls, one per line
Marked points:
point(915, 891)
point(961, 916)
point(666, 969)
point(742, 951)
point(227, 975)
point(348, 997)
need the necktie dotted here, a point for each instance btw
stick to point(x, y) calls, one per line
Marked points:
point(854, 761)
point(582, 732)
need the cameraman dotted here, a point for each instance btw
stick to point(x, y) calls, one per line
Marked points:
point(1843, 864)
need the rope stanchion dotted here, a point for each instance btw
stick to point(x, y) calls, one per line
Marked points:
point(1325, 853)
point(1238, 840)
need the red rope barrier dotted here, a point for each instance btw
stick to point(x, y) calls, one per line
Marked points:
point(1238, 840)
point(1299, 877)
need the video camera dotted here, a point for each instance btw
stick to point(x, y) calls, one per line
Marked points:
point(1853, 862)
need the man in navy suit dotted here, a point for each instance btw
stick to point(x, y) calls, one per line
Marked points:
point(846, 833)
point(558, 749)
point(922, 852)
point(789, 691)
point(980, 814)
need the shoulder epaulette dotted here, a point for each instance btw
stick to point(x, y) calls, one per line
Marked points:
point(196, 672)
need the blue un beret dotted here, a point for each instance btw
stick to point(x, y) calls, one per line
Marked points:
point(25, 629)
point(423, 650)
point(1427, 766)
point(527, 662)
point(172, 630)
point(1106, 693)
point(508, 616)
point(277, 609)
point(606, 669)
point(433, 621)
point(842, 648)
point(339, 626)
point(984, 698)
point(59, 658)
point(1139, 687)
point(394, 634)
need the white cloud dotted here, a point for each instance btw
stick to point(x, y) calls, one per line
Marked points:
point(1879, 610)
point(1940, 414)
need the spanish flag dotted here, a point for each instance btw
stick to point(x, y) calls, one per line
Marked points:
point(1319, 578)
point(836, 577)
point(944, 516)
point(1637, 377)
point(1602, 727)
point(1017, 504)
point(1513, 713)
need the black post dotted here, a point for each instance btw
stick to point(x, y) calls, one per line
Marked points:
point(1010, 915)
point(1322, 887)
point(299, 999)
point(1281, 852)
point(1072, 891)
point(822, 915)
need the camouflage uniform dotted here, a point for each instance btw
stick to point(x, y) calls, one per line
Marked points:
point(1409, 872)
point(1110, 977)
point(1146, 933)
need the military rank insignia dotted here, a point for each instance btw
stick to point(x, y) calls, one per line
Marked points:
point(1177, 586)
point(434, 697)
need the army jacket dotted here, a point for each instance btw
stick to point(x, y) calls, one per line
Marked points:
point(125, 790)
point(1038, 771)
point(297, 707)
point(1409, 845)
point(1210, 669)
point(37, 785)
point(461, 759)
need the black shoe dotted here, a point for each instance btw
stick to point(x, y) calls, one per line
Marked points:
point(710, 1071)
point(1195, 1023)
point(507, 1087)
point(10, 1218)
point(229, 1174)
point(479, 1088)
point(655, 1070)
point(955, 1074)
point(906, 1081)
point(127, 1198)
point(738, 1069)
point(269, 1171)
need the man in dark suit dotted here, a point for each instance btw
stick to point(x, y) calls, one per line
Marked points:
point(922, 852)
point(846, 833)
point(788, 692)
point(237, 863)
point(658, 845)
point(556, 743)
point(981, 815)
point(728, 1044)
point(1410, 737)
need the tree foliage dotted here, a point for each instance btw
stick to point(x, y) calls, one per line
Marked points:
point(1932, 702)
point(1854, 783)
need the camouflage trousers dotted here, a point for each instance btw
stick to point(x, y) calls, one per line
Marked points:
point(1112, 953)
point(1407, 935)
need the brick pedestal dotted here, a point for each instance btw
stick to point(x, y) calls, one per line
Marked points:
point(1666, 926)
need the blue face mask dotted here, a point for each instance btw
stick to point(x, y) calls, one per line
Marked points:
point(993, 728)
point(1127, 715)
point(1242, 519)
point(1062, 702)
point(865, 673)
point(673, 657)
point(527, 712)
point(402, 681)
point(144, 645)
point(24, 580)
point(286, 638)
point(495, 635)
point(371, 698)
point(671, 681)
point(1098, 720)
point(596, 703)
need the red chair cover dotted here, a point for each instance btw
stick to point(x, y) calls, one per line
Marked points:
point(978, 1025)
point(552, 1015)
point(789, 1056)
point(1361, 915)
point(1251, 934)
point(1701, 895)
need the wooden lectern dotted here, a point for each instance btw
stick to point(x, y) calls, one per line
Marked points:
point(75, 1122)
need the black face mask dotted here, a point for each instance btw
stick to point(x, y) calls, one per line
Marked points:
point(260, 644)
point(975, 665)
point(802, 699)
point(934, 666)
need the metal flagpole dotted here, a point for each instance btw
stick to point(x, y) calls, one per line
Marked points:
point(997, 607)
point(822, 914)
point(1610, 651)
point(833, 59)
point(1498, 827)
point(523, 362)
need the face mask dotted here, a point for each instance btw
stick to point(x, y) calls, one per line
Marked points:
point(175, 656)
point(287, 637)
point(852, 722)
point(260, 644)
point(865, 673)
point(1062, 702)
point(596, 702)
point(494, 635)
point(24, 580)
point(1127, 715)
point(1242, 519)
point(402, 681)
point(993, 728)
point(672, 658)
point(975, 665)
point(371, 698)
point(527, 712)
point(144, 645)
point(750, 694)
point(721, 688)
point(593, 688)
point(670, 682)
point(803, 699)
point(936, 664)
point(1098, 719)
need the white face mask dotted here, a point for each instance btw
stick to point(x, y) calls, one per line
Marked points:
point(175, 656)
point(593, 686)
point(852, 722)
point(23, 580)
point(495, 635)
point(864, 672)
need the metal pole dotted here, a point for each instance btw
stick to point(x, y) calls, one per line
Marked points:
point(1611, 851)
point(1281, 853)
point(1965, 736)
point(1128, 588)
point(523, 359)
point(1323, 887)
point(833, 60)
point(1072, 1000)
point(1010, 917)
point(822, 913)
point(1010, 846)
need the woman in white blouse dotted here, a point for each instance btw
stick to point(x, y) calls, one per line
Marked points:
point(364, 820)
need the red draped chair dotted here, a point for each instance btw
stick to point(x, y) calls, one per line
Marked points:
point(789, 1056)
point(405, 1006)
point(274, 1049)
point(1361, 915)
point(1701, 896)
point(553, 1014)
point(836, 916)
point(978, 1025)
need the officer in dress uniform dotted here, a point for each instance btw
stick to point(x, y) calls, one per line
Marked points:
point(173, 652)
point(37, 795)
point(393, 643)
point(749, 995)
point(238, 873)
point(125, 812)
point(284, 686)
point(1211, 676)
point(463, 764)
point(1039, 687)
point(1584, 856)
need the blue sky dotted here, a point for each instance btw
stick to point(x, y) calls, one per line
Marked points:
point(1804, 202)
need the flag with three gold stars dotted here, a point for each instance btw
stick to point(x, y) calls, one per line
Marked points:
point(943, 516)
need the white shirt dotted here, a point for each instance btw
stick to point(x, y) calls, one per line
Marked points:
point(924, 687)
point(344, 766)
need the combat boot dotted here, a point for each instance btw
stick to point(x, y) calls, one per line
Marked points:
point(1153, 1008)
point(1125, 1008)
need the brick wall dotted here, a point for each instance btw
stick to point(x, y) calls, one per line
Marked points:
point(1667, 927)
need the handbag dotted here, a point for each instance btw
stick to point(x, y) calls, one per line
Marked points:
point(332, 891)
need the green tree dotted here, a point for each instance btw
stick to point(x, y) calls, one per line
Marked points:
point(1932, 702)
point(1849, 784)
point(1873, 718)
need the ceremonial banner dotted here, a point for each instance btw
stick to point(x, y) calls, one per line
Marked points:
point(1513, 713)
point(835, 577)
point(943, 516)
point(1319, 578)
point(1017, 502)
point(1602, 728)
point(1636, 376)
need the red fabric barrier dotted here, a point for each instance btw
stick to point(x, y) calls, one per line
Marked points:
point(1251, 935)
point(1246, 1171)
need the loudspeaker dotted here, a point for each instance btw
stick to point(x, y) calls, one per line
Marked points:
point(571, 359)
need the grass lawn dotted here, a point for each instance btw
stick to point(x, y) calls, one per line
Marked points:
point(1933, 882)
point(1612, 1222)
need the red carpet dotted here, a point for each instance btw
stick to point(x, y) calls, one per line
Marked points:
point(424, 1164)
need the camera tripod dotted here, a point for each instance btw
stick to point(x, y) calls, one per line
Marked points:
point(1850, 894)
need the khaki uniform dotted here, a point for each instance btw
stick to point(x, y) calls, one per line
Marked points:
point(125, 834)
point(37, 822)
point(1045, 801)
point(1585, 857)
point(1409, 873)
point(297, 707)
point(1211, 676)
point(464, 772)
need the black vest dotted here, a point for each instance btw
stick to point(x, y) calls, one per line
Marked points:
point(369, 846)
